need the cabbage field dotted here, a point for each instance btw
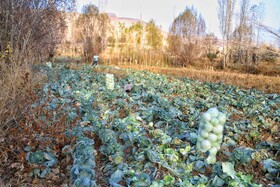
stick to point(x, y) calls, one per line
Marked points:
point(143, 131)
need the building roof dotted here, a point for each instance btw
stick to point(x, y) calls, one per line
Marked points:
point(127, 21)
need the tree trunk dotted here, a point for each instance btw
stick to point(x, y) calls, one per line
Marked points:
point(224, 55)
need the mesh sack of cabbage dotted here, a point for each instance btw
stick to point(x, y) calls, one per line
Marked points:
point(110, 81)
point(210, 133)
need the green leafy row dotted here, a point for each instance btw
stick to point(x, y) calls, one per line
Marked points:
point(149, 134)
point(82, 172)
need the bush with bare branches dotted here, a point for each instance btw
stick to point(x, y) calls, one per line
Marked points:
point(29, 33)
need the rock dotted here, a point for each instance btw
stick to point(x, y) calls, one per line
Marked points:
point(128, 87)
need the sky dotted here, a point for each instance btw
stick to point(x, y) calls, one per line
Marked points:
point(164, 11)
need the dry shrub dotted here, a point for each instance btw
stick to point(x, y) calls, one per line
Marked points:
point(15, 86)
point(203, 63)
point(269, 69)
point(21, 125)
point(248, 68)
point(263, 68)
point(17, 83)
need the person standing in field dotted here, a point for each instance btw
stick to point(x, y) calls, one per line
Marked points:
point(95, 60)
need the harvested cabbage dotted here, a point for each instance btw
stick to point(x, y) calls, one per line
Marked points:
point(210, 133)
point(110, 81)
point(206, 145)
point(208, 126)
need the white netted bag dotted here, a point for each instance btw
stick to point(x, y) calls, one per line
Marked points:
point(210, 133)
point(110, 81)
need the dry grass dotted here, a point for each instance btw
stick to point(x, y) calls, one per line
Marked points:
point(267, 84)
point(16, 85)
point(263, 68)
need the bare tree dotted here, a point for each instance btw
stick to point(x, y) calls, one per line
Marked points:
point(257, 15)
point(243, 33)
point(270, 30)
point(225, 14)
point(187, 30)
point(246, 32)
point(244, 28)
point(278, 39)
point(31, 28)
point(93, 31)
point(29, 33)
